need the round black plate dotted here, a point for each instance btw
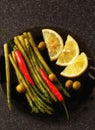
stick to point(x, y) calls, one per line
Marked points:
point(77, 97)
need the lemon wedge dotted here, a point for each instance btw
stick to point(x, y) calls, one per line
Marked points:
point(77, 67)
point(69, 53)
point(54, 43)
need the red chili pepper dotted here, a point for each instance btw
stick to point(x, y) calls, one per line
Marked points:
point(52, 87)
point(22, 66)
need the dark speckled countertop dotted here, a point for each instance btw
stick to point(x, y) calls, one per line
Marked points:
point(74, 16)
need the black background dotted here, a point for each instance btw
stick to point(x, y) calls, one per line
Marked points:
point(74, 16)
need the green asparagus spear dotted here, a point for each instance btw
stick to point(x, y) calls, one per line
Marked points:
point(7, 68)
point(34, 108)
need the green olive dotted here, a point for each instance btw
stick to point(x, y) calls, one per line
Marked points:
point(41, 45)
point(68, 84)
point(76, 85)
point(52, 77)
point(20, 88)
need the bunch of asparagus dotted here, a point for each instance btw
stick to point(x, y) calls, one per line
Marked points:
point(39, 97)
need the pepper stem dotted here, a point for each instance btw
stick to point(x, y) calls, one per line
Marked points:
point(67, 114)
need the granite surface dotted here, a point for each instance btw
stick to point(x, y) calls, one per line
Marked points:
point(74, 16)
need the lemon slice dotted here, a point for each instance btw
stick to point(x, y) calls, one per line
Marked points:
point(54, 43)
point(77, 67)
point(69, 53)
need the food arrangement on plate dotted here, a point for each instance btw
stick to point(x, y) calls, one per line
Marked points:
point(49, 72)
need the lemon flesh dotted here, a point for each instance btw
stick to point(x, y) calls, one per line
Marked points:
point(69, 53)
point(54, 43)
point(77, 67)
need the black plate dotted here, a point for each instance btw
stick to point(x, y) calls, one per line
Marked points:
point(77, 97)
